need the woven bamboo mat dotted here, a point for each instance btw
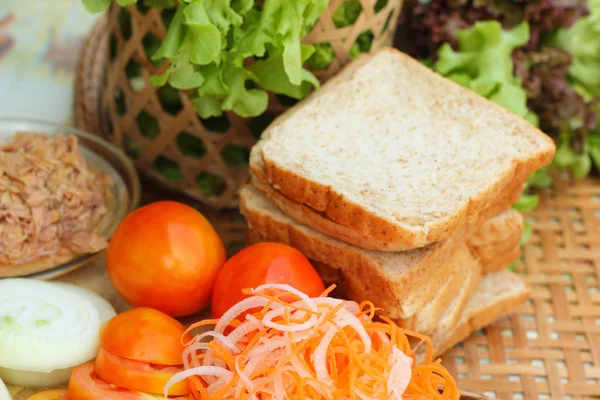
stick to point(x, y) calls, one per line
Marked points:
point(550, 348)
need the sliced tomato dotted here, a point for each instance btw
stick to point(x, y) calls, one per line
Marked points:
point(56, 394)
point(86, 385)
point(145, 334)
point(137, 375)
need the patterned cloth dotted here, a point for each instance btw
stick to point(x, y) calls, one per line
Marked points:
point(39, 50)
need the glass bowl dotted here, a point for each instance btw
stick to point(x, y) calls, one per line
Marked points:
point(124, 192)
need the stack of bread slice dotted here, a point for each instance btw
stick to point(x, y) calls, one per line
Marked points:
point(397, 184)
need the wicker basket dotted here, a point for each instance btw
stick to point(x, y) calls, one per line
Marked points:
point(160, 130)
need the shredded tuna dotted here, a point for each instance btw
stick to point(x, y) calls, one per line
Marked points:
point(50, 200)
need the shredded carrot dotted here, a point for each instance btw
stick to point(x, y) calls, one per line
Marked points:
point(289, 346)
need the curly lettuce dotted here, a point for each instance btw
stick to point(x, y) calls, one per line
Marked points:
point(209, 43)
point(432, 23)
point(483, 64)
point(560, 108)
point(582, 41)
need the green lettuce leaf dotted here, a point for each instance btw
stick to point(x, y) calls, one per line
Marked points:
point(95, 6)
point(483, 64)
point(272, 75)
point(322, 57)
point(175, 36)
point(566, 158)
point(527, 202)
point(244, 102)
point(184, 75)
point(204, 38)
point(347, 13)
point(582, 41)
point(159, 3)
point(540, 179)
point(527, 232)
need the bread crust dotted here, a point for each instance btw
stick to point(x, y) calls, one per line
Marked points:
point(484, 308)
point(480, 319)
point(448, 304)
point(497, 241)
point(364, 223)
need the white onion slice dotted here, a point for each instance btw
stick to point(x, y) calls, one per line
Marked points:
point(46, 327)
point(252, 324)
point(36, 379)
point(214, 371)
point(4, 393)
point(105, 310)
point(400, 374)
point(239, 308)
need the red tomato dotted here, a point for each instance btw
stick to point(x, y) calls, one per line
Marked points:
point(56, 394)
point(137, 375)
point(165, 255)
point(86, 385)
point(259, 264)
point(145, 334)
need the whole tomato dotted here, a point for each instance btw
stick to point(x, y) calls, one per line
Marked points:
point(260, 264)
point(165, 255)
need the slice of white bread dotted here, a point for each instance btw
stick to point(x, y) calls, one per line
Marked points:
point(498, 294)
point(308, 217)
point(402, 283)
point(447, 304)
point(497, 241)
point(394, 152)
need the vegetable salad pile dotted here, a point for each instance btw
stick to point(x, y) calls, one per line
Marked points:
point(292, 346)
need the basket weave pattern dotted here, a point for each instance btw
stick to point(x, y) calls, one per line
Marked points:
point(137, 119)
point(550, 349)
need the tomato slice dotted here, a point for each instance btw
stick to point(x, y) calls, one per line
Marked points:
point(145, 334)
point(137, 375)
point(56, 394)
point(86, 385)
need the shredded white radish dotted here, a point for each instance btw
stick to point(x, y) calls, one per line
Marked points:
point(270, 352)
point(46, 329)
